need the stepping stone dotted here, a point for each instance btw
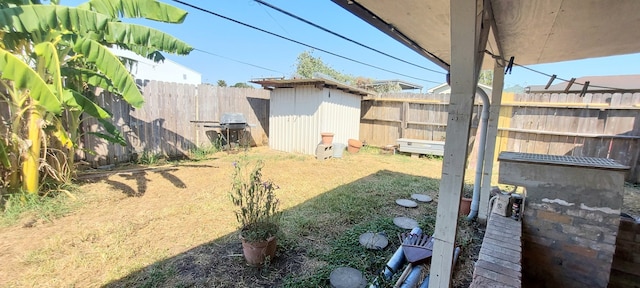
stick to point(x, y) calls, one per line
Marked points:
point(375, 241)
point(421, 197)
point(407, 203)
point(405, 222)
point(347, 277)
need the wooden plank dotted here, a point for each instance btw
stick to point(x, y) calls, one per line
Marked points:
point(404, 114)
point(464, 63)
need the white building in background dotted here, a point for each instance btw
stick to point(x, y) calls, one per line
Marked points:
point(165, 71)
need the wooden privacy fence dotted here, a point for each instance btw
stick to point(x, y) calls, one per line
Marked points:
point(596, 125)
point(165, 124)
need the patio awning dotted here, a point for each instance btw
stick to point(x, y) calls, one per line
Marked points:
point(532, 31)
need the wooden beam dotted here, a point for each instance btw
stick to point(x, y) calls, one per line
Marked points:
point(404, 118)
point(492, 134)
point(465, 65)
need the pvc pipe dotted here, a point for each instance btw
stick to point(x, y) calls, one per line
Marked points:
point(425, 282)
point(396, 262)
point(456, 253)
point(475, 201)
point(414, 277)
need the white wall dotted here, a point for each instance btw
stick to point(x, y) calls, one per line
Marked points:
point(165, 71)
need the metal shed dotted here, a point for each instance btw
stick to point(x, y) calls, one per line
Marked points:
point(301, 109)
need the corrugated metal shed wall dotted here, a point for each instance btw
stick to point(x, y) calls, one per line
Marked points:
point(340, 115)
point(298, 116)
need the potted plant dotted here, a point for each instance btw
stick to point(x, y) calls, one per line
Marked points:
point(256, 211)
point(465, 201)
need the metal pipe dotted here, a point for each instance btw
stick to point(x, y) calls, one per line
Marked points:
point(396, 262)
point(484, 119)
point(413, 278)
point(425, 282)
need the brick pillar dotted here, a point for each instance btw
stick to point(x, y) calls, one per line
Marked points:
point(625, 270)
point(570, 222)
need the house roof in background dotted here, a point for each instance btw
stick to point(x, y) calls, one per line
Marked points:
point(403, 84)
point(483, 86)
point(622, 83)
point(272, 83)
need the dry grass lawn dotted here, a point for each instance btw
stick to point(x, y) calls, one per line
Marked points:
point(173, 226)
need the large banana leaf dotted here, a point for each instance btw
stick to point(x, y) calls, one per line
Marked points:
point(61, 134)
point(149, 9)
point(114, 134)
point(23, 77)
point(11, 3)
point(4, 156)
point(111, 67)
point(90, 77)
point(47, 51)
point(43, 18)
point(137, 35)
point(76, 100)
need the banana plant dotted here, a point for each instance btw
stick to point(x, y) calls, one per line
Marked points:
point(51, 53)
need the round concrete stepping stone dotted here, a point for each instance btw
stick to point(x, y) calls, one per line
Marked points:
point(405, 222)
point(421, 198)
point(407, 203)
point(375, 241)
point(347, 277)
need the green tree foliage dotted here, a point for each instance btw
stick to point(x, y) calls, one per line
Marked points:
point(486, 77)
point(222, 83)
point(51, 59)
point(242, 85)
point(308, 65)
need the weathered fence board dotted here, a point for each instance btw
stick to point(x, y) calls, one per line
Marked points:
point(165, 124)
point(595, 125)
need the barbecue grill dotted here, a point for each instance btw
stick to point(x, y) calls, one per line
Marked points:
point(236, 129)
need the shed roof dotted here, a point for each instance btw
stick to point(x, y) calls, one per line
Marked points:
point(270, 83)
point(532, 31)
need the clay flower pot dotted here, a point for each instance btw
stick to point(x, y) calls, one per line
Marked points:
point(257, 252)
point(354, 145)
point(465, 206)
point(327, 138)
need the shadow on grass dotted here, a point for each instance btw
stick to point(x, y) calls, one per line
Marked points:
point(141, 180)
point(317, 236)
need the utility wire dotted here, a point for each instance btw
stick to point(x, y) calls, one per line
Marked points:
point(343, 37)
point(274, 20)
point(298, 42)
point(238, 61)
point(497, 57)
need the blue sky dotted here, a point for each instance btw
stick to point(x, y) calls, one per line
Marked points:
point(233, 41)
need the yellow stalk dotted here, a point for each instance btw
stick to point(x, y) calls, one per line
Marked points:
point(30, 174)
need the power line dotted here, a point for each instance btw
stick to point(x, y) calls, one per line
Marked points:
point(497, 57)
point(343, 37)
point(238, 61)
point(298, 42)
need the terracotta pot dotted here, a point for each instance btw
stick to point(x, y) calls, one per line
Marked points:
point(465, 206)
point(354, 145)
point(257, 252)
point(327, 138)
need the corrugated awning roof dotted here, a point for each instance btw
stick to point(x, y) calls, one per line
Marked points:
point(532, 31)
